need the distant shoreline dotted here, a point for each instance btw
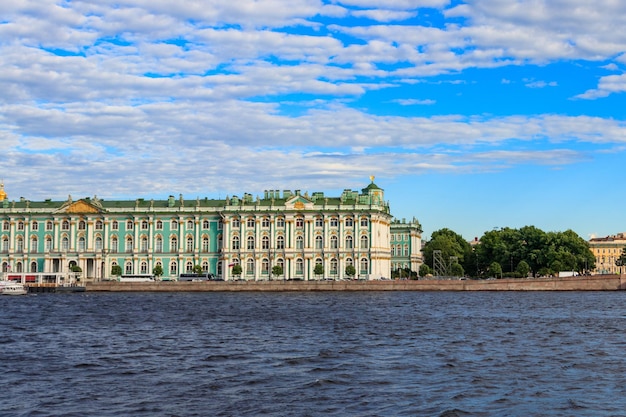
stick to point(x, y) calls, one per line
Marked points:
point(589, 283)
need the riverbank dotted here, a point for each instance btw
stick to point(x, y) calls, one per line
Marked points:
point(586, 283)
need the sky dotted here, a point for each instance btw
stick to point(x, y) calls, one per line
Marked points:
point(472, 115)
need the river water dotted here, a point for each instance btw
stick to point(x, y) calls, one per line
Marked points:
point(314, 354)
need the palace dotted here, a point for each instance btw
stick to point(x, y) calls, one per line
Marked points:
point(607, 250)
point(290, 230)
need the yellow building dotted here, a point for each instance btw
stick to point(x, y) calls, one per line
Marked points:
point(607, 250)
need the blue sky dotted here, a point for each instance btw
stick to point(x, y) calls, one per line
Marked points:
point(472, 115)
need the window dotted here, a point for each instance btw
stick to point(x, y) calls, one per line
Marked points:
point(81, 225)
point(206, 224)
point(174, 225)
point(20, 244)
point(174, 244)
point(65, 243)
point(364, 222)
point(235, 243)
point(144, 244)
point(265, 266)
point(34, 226)
point(20, 225)
point(129, 244)
point(49, 225)
point(173, 268)
point(6, 226)
point(265, 223)
point(280, 262)
point(349, 242)
point(114, 225)
point(319, 222)
point(189, 244)
point(299, 266)
point(144, 225)
point(333, 266)
point(114, 244)
point(300, 222)
point(159, 225)
point(158, 244)
point(333, 242)
point(205, 244)
point(280, 222)
point(250, 266)
point(128, 268)
point(334, 222)
point(250, 223)
point(406, 250)
point(129, 225)
point(98, 243)
point(319, 242)
point(349, 222)
point(81, 243)
point(65, 225)
point(280, 242)
point(364, 266)
point(33, 266)
point(364, 242)
point(98, 225)
point(143, 268)
point(265, 242)
point(299, 242)
point(250, 243)
point(48, 244)
point(33, 244)
point(205, 266)
point(5, 244)
point(236, 223)
point(189, 267)
point(189, 224)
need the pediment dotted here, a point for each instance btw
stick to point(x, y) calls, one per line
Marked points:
point(299, 203)
point(80, 207)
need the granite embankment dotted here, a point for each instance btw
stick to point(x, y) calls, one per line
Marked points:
point(592, 283)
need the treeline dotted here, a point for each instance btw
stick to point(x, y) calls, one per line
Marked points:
point(507, 253)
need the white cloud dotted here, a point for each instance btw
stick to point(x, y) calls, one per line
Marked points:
point(608, 85)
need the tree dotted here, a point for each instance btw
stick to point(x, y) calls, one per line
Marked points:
point(495, 269)
point(350, 270)
point(116, 270)
point(277, 270)
point(318, 270)
point(425, 270)
point(451, 245)
point(197, 269)
point(237, 270)
point(157, 271)
point(522, 269)
point(456, 270)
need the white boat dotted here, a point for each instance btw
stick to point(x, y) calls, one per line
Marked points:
point(12, 288)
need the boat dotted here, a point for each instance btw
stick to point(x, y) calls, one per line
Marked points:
point(12, 288)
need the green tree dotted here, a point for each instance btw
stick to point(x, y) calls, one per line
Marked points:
point(197, 269)
point(157, 271)
point(451, 245)
point(116, 270)
point(456, 270)
point(495, 270)
point(318, 270)
point(277, 270)
point(425, 270)
point(522, 269)
point(350, 271)
point(237, 270)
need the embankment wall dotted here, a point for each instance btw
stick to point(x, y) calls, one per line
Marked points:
point(593, 283)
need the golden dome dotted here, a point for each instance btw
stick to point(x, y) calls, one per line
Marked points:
point(3, 195)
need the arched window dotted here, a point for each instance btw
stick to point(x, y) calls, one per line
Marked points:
point(349, 242)
point(349, 222)
point(34, 226)
point(280, 222)
point(334, 222)
point(174, 224)
point(128, 268)
point(49, 225)
point(81, 225)
point(205, 266)
point(206, 224)
point(173, 268)
point(265, 266)
point(114, 225)
point(299, 266)
point(189, 224)
point(98, 243)
point(280, 242)
point(19, 244)
point(364, 242)
point(189, 244)
point(99, 225)
point(265, 242)
point(205, 244)
point(20, 225)
point(65, 243)
point(250, 222)
point(173, 244)
point(265, 223)
point(333, 266)
point(319, 221)
point(364, 266)
point(129, 225)
point(19, 267)
point(33, 266)
point(144, 244)
point(299, 242)
point(250, 243)
point(300, 222)
point(7, 226)
point(235, 243)
point(114, 244)
point(189, 267)
point(319, 242)
point(159, 225)
point(48, 244)
point(143, 267)
point(144, 225)
point(364, 221)
point(81, 243)
point(334, 242)
point(236, 223)
point(250, 266)
point(158, 244)
point(129, 244)
point(5, 244)
point(33, 244)
point(65, 225)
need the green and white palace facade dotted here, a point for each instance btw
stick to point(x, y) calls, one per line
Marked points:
point(293, 230)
